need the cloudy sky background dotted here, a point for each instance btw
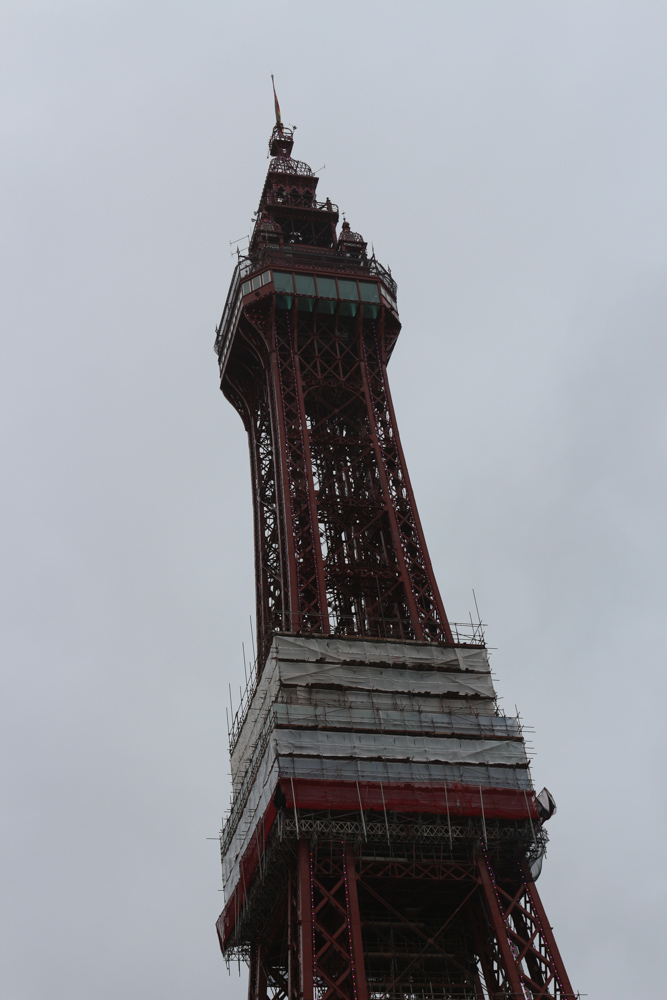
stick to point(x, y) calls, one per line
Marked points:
point(508, 161)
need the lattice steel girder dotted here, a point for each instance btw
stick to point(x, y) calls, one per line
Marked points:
point(350, 926)
point(523, 955)
point(338, 538)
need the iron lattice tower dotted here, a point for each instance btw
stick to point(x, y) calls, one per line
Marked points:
point(384, 836)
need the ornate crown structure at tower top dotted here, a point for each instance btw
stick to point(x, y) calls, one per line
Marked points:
point(384, 835)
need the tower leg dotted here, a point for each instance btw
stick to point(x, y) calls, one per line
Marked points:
point(257, 977)
point(534, 904)
point(523, 942)
point(336, 956)
point(305, 922)
point(497, 921)
point(356, 944)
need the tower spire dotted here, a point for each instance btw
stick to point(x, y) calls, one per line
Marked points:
point(279, 121)
point(282, 137)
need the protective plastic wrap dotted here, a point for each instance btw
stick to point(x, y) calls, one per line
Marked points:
point(398, 720)
point(320, 649)
point(364, 669)
point(339, 718)
point(392, 746)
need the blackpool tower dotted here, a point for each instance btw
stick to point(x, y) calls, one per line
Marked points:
point(384, 835)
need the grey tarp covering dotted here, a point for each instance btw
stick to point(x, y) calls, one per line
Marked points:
point(319, 649)
point(376, 677)
point(385, 700)
point(344, 666)
point(405, 719)
point(367, 710)
point(390, 746)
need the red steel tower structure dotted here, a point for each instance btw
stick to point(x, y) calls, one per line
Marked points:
point(384, 836)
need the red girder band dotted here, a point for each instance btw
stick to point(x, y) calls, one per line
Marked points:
point(342, 796)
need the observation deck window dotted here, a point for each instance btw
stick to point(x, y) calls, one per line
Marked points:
point(369, 291)
point(254, 283)
point(282, 282)
point(326, 288)
point(348, 289)
point(320, 293)
point(305, 284)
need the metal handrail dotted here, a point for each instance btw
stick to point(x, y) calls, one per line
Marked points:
point(229, 301)
point(298, 201)
point(318, 258)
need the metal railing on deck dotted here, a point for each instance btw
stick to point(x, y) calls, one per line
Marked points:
point(299, 201)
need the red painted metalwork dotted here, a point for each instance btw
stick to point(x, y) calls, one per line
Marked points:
point(354, 925)
point(338, 540)
point(505, 804)
point(461, 800)
point(373, 928)
point(306, 929)
point(520, 953)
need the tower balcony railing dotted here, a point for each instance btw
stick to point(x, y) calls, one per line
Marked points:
point(299, 201)
point(300, 258)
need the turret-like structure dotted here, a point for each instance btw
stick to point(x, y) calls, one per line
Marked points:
point(384, 835)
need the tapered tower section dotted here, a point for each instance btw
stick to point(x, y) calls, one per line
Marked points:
point(309, 327)
point(384, 834)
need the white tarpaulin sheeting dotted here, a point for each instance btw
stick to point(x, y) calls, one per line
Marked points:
point(390, 746)
point(375, 677)
point(393, 720)
point(449, 673)
point(408, 654)
point(384, 700)
point(367, 710)
point(386, 771)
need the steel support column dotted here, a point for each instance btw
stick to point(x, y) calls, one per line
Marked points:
point(499, 928)
point(550, 941)
point(305, 922)
point(257, 978)
point(356, 943)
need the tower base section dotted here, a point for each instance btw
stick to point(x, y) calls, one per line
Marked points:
point(357, 923)
point(384, 834)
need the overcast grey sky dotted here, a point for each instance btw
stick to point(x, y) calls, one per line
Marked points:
point(508, 161)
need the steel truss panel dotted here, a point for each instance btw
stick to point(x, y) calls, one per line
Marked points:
point(351, 927)
point(513, 829)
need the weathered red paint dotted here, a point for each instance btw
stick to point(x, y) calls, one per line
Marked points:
point(462, 800)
